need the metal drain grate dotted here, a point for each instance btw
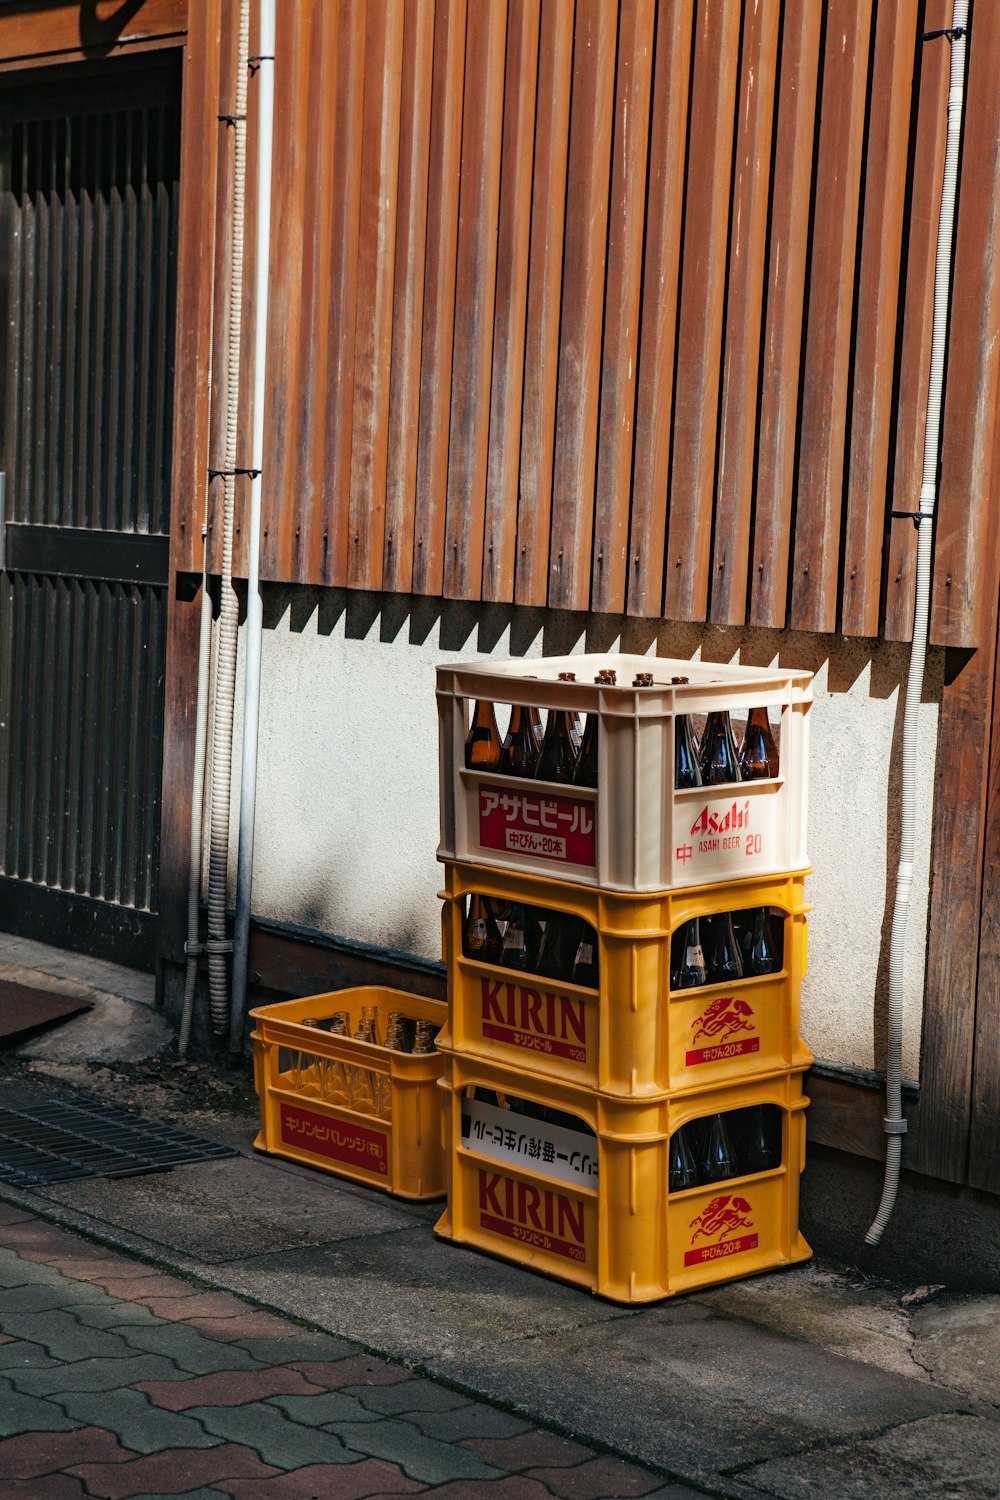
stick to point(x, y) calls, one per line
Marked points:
point(58, 1142)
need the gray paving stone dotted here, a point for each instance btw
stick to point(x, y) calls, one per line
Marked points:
point(190, 1350)
point(21, 1413)
point(112, 1314)
point(38, 1296)
point(94, 1375)
point(409, 1395)
point(278, 1441)
point(418, 1456)
point(23, 1354)
point(318, 1411)
point(473, 1421)
point(17, 1272)
point(321, 1347)
point(64, 1337)
point(197, 1495)
point(136, 1422)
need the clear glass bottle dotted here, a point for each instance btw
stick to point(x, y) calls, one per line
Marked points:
point(681, 1169)
point(718, 1159)
point(724, 963)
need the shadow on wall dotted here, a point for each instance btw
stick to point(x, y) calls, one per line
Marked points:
point(455, 626)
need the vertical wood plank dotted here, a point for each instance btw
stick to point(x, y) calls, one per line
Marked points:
point(408, 294)
point(439, 296)
point(591, 111)
point(195, 287)
point(786, 283)
point(626, 224)
point(965, 544)
point(377, 255)
point(344, 270)
point(513, 240)
point(310, 541)
point(541, 343)
point(953, 968)
point(878, 315)
point(287, 333)
point(823, 414)
point(193, 354)
point(657, 334)
point(918, 317)
point(984, 1104)
point(475, 297)
point(703, 287)
point(745, 299)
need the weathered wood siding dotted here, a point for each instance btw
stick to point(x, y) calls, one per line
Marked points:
point(624, 305)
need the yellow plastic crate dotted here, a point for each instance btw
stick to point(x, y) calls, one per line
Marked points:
point(624, 1237)
point(632, 1036)
point(389, 1134)
point(635, 831)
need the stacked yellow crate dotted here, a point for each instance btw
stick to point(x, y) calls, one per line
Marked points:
point(634, 859)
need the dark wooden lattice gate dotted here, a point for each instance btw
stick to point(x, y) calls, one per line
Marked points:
point(88, 245)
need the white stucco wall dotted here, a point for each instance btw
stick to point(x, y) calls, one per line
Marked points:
point(347, 796)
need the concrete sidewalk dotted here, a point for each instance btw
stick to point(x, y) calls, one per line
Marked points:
point(810, 1382)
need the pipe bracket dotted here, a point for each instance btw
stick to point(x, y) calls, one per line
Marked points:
point(894, 1127)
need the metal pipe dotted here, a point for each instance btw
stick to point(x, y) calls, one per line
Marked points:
point(894, 1123)
point(192, 947)
point(255, 613)
point(225, 662)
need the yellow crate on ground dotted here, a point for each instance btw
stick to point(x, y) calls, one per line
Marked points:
point(356, 1108)
point(630, 1036)
point(592, 1207)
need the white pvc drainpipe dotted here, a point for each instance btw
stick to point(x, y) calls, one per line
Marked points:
point(255, 612)
point(894, 1123)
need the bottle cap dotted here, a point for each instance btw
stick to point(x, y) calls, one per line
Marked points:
point(567, 676)
point(642, 679)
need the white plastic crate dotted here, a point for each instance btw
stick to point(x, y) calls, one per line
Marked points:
point(658, 837)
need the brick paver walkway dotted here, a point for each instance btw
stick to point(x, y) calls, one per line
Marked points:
point(120, 1382)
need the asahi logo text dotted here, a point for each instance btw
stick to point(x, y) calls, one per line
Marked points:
point(710, 821)
point(535, 1216)
point(535, 1019)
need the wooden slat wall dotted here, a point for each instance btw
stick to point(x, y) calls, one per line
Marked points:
point(619, 305)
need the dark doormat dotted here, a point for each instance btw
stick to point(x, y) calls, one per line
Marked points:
point(58, 1142)
point(23, 1009)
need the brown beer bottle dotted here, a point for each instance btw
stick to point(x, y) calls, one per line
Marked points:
point(687, 965)
point(561, 745)
point(481, 939)
point(557, 955)
point(724, 961)
point(482, 743)
point(537, 727)
point(686, 769)
point(585, 964)
point(758, 752)
point(718, 761)
point(519, 755)
point(586, 767)
point(761, 956)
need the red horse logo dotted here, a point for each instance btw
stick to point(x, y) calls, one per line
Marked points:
point(720, 1022)
point(723, 1216)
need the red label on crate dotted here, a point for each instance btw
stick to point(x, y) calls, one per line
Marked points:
point(721, 1051)
point(557, 828)
point(723, 1020)
point(540, 1217)
point(719, 1251)
point(725, 1215)
point(351, 1144)
point(534, 1020)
